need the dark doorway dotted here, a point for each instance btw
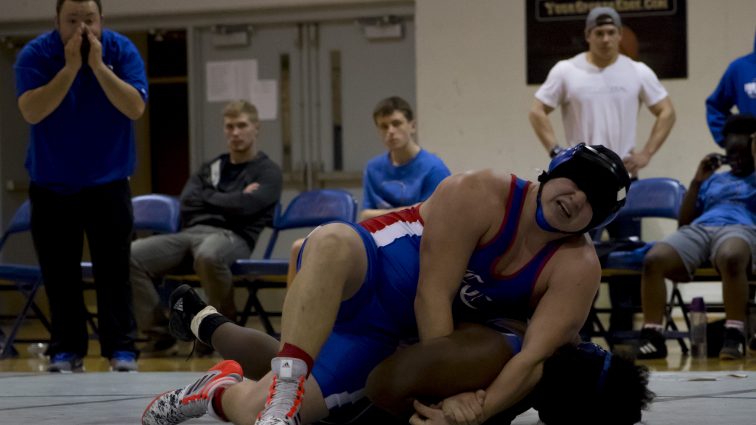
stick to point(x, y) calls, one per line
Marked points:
point(169, 110)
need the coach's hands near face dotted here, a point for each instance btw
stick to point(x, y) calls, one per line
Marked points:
point(72, 51)
point(94, 58)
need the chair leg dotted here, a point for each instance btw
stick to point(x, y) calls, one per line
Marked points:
point(253, 307)
point(92, 324)
point(8, 349)
point(751, 312)
point(41, 317)
point(675, 299)
point(599, 329)
point(248, 306)
point(262, 314)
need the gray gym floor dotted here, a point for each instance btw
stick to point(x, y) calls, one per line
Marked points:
point(689, 398)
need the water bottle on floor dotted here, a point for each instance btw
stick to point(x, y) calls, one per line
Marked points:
point(698, 328)
point(37, 350)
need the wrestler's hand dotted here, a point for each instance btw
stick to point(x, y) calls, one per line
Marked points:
point(465, 408)
point(461, 409)
point(427, 415)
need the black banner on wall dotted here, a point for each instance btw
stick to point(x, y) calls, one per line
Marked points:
point(654, 32)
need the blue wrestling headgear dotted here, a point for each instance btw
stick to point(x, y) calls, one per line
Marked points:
point(593, 350)
point(598, 172)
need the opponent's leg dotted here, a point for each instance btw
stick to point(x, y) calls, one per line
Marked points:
point(193, 401)
point(191, 317)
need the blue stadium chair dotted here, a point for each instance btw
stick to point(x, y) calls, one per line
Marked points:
point(26, 279)
point(153, 214)
point(156, 213)
point(308, 209)
point(658, 197)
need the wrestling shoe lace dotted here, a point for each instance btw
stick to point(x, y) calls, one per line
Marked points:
point(285, 395)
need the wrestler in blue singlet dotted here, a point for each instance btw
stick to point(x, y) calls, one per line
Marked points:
point(371, 324)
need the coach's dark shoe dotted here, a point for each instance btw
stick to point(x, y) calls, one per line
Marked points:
point(185, 303)
point(652, 345)
point(733, 346)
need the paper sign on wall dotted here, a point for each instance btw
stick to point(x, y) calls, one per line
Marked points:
point(234, 80)
point(264, 95)
point(229, 80)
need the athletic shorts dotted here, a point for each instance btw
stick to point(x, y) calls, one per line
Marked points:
point(371, 324)
point(378, 318)
point(696, 244)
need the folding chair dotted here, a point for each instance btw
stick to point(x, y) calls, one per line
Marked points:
point(153, 214)
point(156, 213)
point(308, 209)
point(26, 279)
point(658, 197)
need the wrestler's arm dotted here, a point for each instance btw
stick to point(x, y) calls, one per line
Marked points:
point(574, 275)
point(458, 214)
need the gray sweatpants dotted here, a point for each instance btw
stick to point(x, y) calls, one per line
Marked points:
point(210, 250)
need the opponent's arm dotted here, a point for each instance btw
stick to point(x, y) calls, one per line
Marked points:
point(458, 214)
point(430, 370)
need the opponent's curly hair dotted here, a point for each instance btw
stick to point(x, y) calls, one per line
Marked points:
point(571, 390)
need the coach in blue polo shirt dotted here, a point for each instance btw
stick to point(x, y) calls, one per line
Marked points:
point(81, 87)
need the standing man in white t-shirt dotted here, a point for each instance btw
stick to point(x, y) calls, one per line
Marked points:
point(600, 92)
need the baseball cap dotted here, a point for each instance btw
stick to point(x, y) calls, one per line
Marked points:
point(602, 16)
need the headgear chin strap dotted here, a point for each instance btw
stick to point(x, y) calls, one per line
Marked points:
point(540, 218)
point(595, 350)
